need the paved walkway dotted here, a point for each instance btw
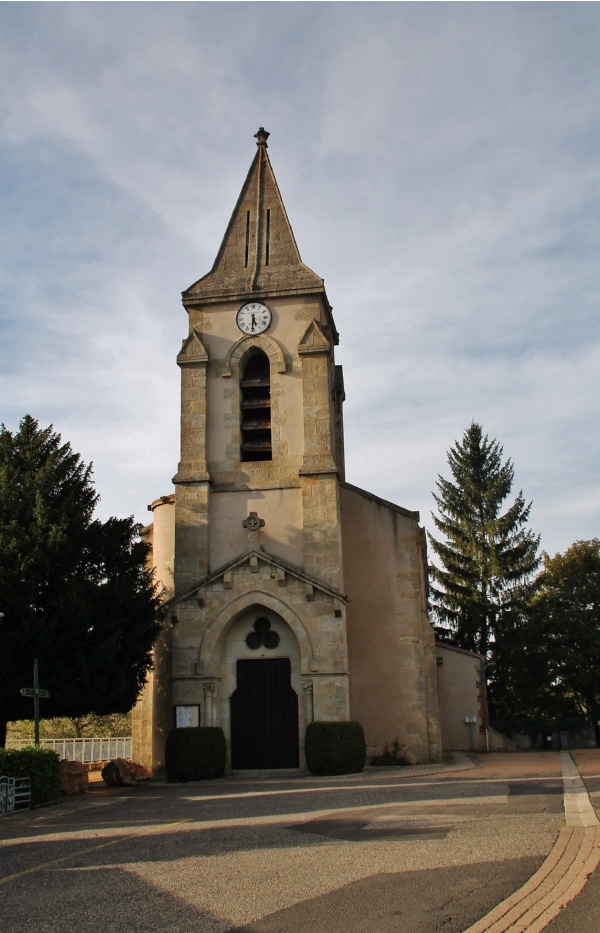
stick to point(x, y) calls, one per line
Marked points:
point(410, 850)
point(561, 878)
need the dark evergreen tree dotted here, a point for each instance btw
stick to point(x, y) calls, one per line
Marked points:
point(488, 557)
point(74, 593)
point(568, 602)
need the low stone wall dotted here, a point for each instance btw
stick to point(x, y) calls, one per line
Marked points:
point(502, 743)
point(521, 741)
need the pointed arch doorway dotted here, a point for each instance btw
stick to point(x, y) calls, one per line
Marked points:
point(264, 716)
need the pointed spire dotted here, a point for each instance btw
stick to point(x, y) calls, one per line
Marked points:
point(258, 255)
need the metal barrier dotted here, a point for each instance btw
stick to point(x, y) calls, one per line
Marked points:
point(15, 794)
point(85, 750)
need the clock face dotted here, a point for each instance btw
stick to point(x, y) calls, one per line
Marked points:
point(253, 318)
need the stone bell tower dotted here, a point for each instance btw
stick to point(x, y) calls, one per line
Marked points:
point(271, 547)
point(293, 475)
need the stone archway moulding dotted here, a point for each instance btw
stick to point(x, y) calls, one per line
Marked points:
point(224, 619)
point(267, 344)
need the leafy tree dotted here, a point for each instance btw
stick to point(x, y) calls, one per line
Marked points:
point(569, 604)
point(74, 592)
point(88, 726)
point(489, 556)
point(522, 685)
point(92, 726)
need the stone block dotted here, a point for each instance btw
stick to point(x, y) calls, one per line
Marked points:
point(74, 778)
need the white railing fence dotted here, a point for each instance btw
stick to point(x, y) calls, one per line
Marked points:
point(86, 750)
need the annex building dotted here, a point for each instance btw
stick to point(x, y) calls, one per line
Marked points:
point(292, 595)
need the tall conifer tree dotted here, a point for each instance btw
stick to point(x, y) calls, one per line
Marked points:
point(489, 555)
point(75, 593)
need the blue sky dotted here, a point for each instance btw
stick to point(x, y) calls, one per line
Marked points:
point(439, 164)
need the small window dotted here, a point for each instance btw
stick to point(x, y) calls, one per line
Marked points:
point(256, 409)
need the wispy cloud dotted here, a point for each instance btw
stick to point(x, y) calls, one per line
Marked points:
point(439, 167)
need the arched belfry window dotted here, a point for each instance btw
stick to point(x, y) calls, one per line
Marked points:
point(255, 385)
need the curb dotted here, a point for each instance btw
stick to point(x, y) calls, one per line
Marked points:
point(574, 857)
point(456, 761)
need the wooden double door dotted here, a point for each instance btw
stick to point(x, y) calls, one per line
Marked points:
point(264, 716)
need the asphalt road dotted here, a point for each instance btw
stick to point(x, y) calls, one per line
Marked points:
point(371, 853)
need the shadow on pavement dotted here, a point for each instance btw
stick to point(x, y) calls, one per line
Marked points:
point(406, 902)
point(75, 899)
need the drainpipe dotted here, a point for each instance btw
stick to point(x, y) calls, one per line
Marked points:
point(486, 724)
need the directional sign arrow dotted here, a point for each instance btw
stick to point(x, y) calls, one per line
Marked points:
point(35, 692)
point(27, 692)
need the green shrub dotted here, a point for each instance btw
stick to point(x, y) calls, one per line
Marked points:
point(195, 754)
point(335, 747)
point(41, 765)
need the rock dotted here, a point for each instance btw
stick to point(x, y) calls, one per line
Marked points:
point(141, 773)
point(73, 777)
point(122, 773)
point(118, 773)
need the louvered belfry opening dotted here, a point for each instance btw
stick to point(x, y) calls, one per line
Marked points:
point(256, 408)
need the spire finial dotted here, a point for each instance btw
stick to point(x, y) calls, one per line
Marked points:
point(261, 137)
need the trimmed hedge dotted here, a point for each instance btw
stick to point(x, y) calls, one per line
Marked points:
point(335, 747)
point(195, 754)
point(41, 765)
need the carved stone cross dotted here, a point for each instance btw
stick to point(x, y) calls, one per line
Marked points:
point(253, 524)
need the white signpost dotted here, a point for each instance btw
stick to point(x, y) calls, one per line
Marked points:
point(471, 720)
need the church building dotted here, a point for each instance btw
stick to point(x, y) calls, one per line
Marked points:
point(292, 595)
